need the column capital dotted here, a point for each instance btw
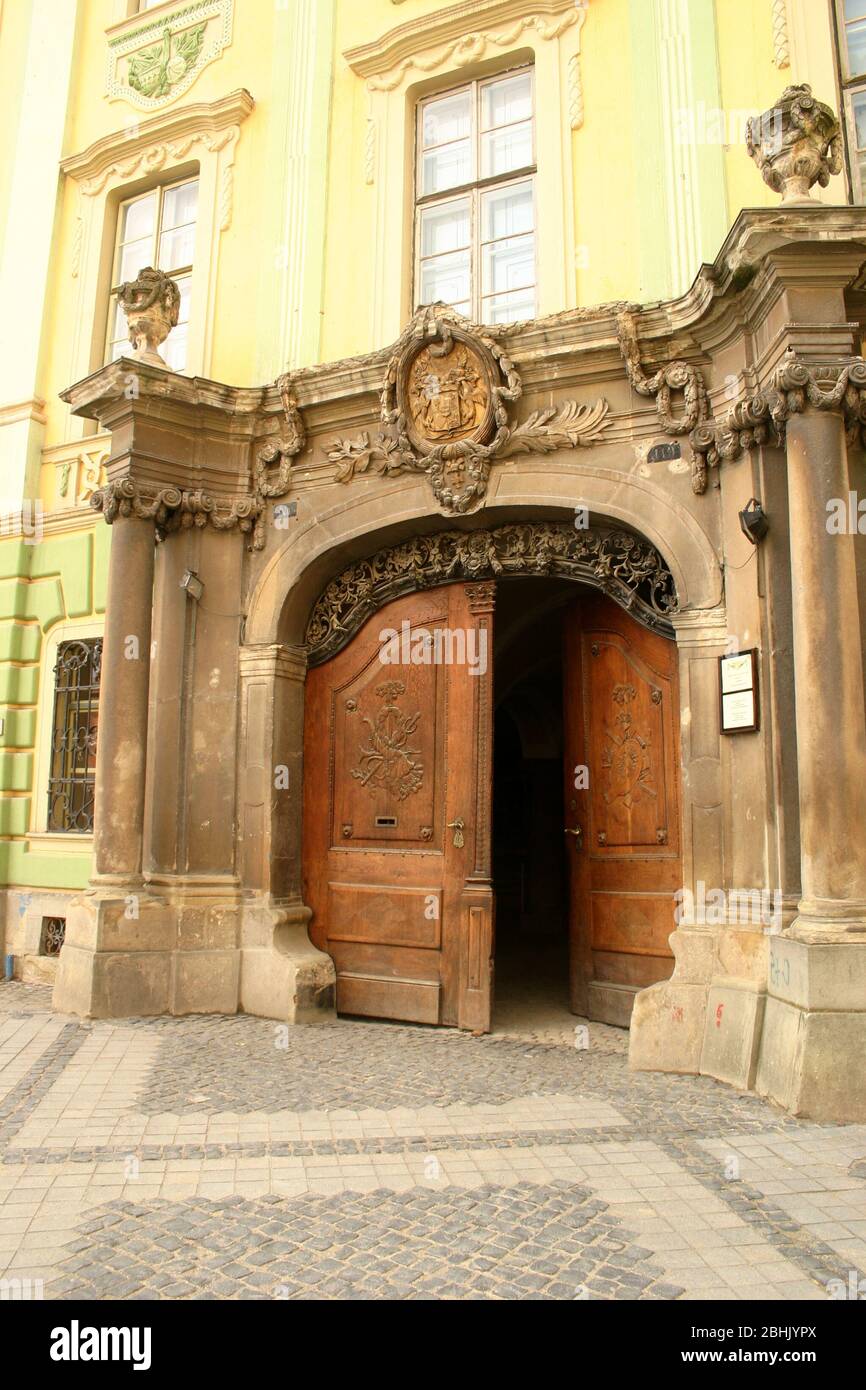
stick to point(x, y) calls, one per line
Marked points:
point(795, 387)
point(173, 508)
point(273, 661)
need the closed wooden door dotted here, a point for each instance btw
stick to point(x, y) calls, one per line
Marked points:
point(621, 702)
point(397, 810)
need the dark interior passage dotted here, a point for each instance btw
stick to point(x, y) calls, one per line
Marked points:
point(529, 863)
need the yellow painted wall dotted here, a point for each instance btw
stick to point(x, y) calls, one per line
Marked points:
point(611, 211)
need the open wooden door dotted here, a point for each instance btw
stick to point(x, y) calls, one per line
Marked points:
point(621, 704)
point(397, 807)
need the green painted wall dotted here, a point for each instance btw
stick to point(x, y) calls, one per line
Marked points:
point(58, 578)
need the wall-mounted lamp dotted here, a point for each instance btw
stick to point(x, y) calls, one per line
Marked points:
point(193, 585)
point(754, 521)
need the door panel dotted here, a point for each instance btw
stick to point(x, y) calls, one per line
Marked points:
point(621, 704)
point(394, 758)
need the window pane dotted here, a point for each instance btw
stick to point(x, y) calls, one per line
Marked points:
point(176, 247)
point(185, 287)
point(508, 308)
point(506, 211)
point(119, 333)
point(506, 101)
point(858, 105)
point(445, 227)
point(133, 258)
point(138, 218)
point(446, 278)
point(447, 119)
point(855, 9)
point(508, 265)
point(856, 39)
point(503, 150)
point(173, 349)
point(447, 167)
point(180, 205)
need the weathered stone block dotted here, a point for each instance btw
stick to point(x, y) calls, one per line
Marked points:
point(205, 982)
point(667, 1027)
point(732, 1033)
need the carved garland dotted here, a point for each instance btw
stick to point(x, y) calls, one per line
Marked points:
point(676, 376)
point(457, 464)
point(762, 417)
point(622, 565)
point(280, 452)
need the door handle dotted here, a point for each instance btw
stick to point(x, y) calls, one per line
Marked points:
point(458, 826)
point(578, 835)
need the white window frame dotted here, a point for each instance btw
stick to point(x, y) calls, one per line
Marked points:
point(851, 84)
point(76, 840)
point(180, 273)
point(842, 28)
point(475, 187)
point(127, 162)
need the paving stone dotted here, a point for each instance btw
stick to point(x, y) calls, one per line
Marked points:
point(530, 1240)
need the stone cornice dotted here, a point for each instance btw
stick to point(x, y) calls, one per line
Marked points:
point(145, 145)
point(462, 33)
point(110, 384)
point(17, 411)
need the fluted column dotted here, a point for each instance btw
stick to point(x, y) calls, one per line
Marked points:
point(122, 742)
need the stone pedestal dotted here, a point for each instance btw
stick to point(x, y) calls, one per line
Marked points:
point(814, 1036)
point(283, 975)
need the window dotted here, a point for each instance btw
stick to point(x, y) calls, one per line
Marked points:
point(73, 738)
point(156, 229)
point(852, 42)
point(475, 191)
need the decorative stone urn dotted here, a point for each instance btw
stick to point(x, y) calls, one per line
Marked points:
point(151, 304)
point(796, 144)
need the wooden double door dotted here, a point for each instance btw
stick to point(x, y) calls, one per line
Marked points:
point(398, 772)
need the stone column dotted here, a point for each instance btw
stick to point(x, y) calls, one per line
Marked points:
point(116, 960)
point(815, 1020)
point(122, 742)
point(831, 724)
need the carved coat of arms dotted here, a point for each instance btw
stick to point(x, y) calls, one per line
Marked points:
point(445, 412)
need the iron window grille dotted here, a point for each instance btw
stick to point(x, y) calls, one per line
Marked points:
point(53, 936)
point(71, 783)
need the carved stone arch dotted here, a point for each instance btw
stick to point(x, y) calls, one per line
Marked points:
point(292, 579)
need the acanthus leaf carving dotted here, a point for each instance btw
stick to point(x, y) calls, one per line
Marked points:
point(444, 410)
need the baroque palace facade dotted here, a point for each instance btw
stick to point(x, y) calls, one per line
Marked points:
point(432, 458)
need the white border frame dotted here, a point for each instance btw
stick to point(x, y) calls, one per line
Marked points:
point(73, 840)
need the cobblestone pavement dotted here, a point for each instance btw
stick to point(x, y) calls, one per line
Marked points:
point(235, 1158)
